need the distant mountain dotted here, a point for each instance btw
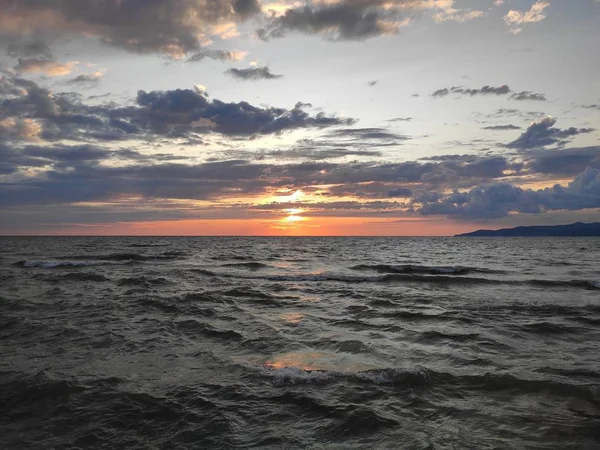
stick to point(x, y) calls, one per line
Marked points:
point(574, 229)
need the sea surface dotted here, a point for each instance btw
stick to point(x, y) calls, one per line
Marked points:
point(293, 343)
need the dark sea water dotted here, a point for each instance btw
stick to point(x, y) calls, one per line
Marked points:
point(332, 343)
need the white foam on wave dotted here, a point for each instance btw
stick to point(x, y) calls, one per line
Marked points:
point(296, 375)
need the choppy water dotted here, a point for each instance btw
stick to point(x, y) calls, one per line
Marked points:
point(299, 343)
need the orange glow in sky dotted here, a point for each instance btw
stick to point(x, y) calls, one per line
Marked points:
point(310, 226)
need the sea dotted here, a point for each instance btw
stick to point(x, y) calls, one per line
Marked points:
point(299, 343)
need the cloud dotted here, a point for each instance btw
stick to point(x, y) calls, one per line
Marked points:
point(173, 28)
point(176, 114)
point(455, 15)
point(515, 19)
point(309, 152)
point(400, 119)
point(253, 73)
point(561, 162)
point(86, 172)
point(528, 95)
point(543, 133)
point(512, 112)
point(19, 128)
point(221, 55)
point(499, 200)
point(400, 192)
point(29, 49)
point(87, 78)
point(371, 190)
point(46, 66)
point(502, 127)
point(372, 83)
point(343, 20)
point(441, 92)
point(490, 90)
point(363, 134)
point(346, 20)
point(485, 90)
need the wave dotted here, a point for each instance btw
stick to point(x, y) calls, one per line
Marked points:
point(248, 265)
point(409, 268)
point(203, 272)
point(196, 328)
point(146, 245)
point(79, 276)
point(352, 346)
point(233, 257)
point(126, 257)
point(425, 377)
point(433, 335)
point(181, 418)
point(61, 264)
point(570, 373)
point(361, 420)
point(585, 284)
point(549, 328)
point(404, 277)
point(144, 281)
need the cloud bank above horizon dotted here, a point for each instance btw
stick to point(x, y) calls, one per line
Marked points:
point(398, 116)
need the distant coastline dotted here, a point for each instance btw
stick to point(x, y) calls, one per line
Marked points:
point(578, 229)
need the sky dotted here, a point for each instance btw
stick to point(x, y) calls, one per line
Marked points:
point(289, 117)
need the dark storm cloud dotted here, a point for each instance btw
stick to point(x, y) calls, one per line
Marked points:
point(79, 173)
point(489, 90)
point(498, 200)
point(347, 20)
point(563, 161)
point(543, 133)
point(253, 73)
point(467, 171)
point(169, 180)
point(180, 113)
point(169, 27)
point(502, 127)
point(61, 157)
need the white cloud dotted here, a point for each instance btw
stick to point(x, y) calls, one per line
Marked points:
point(516, 18)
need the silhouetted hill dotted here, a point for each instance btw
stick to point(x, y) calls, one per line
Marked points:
point(574, 229)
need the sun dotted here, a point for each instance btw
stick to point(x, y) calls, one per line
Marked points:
point(293, 218)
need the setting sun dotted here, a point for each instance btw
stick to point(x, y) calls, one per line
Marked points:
point(294, 218)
